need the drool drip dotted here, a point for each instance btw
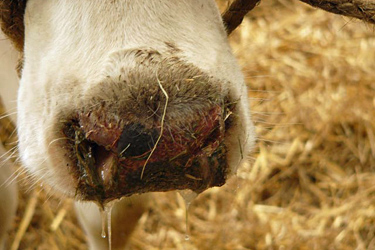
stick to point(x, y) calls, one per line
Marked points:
point(108, 211)
point(106, 215)
point(104, 219)
point(188, 197)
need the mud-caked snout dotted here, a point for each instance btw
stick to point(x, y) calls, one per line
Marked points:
point(159, 127)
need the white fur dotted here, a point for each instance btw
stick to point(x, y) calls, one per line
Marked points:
point(67, 45)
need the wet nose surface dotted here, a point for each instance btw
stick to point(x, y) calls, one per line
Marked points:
point(136, 140)
point(121, 160)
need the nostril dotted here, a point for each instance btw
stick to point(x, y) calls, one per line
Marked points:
point(136, 140)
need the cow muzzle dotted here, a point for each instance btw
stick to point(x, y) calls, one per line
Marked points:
point(150, 132)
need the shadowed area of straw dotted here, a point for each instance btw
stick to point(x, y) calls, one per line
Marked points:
point(310, 181)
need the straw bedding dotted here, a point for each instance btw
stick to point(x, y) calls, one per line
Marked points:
point(310, 181)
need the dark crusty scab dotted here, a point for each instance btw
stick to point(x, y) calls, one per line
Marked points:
point(11, 20)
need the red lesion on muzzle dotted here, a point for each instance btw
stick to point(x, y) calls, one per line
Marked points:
point(134, 136)
point(120, 158)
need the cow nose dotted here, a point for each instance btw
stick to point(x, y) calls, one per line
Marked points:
point(136, 140)
point(120, 157)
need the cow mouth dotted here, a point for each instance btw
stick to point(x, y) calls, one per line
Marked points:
point(174, 159)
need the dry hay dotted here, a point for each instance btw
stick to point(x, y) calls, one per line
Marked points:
point(310, 181)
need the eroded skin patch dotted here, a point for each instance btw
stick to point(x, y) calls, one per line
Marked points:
point(181, 160)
